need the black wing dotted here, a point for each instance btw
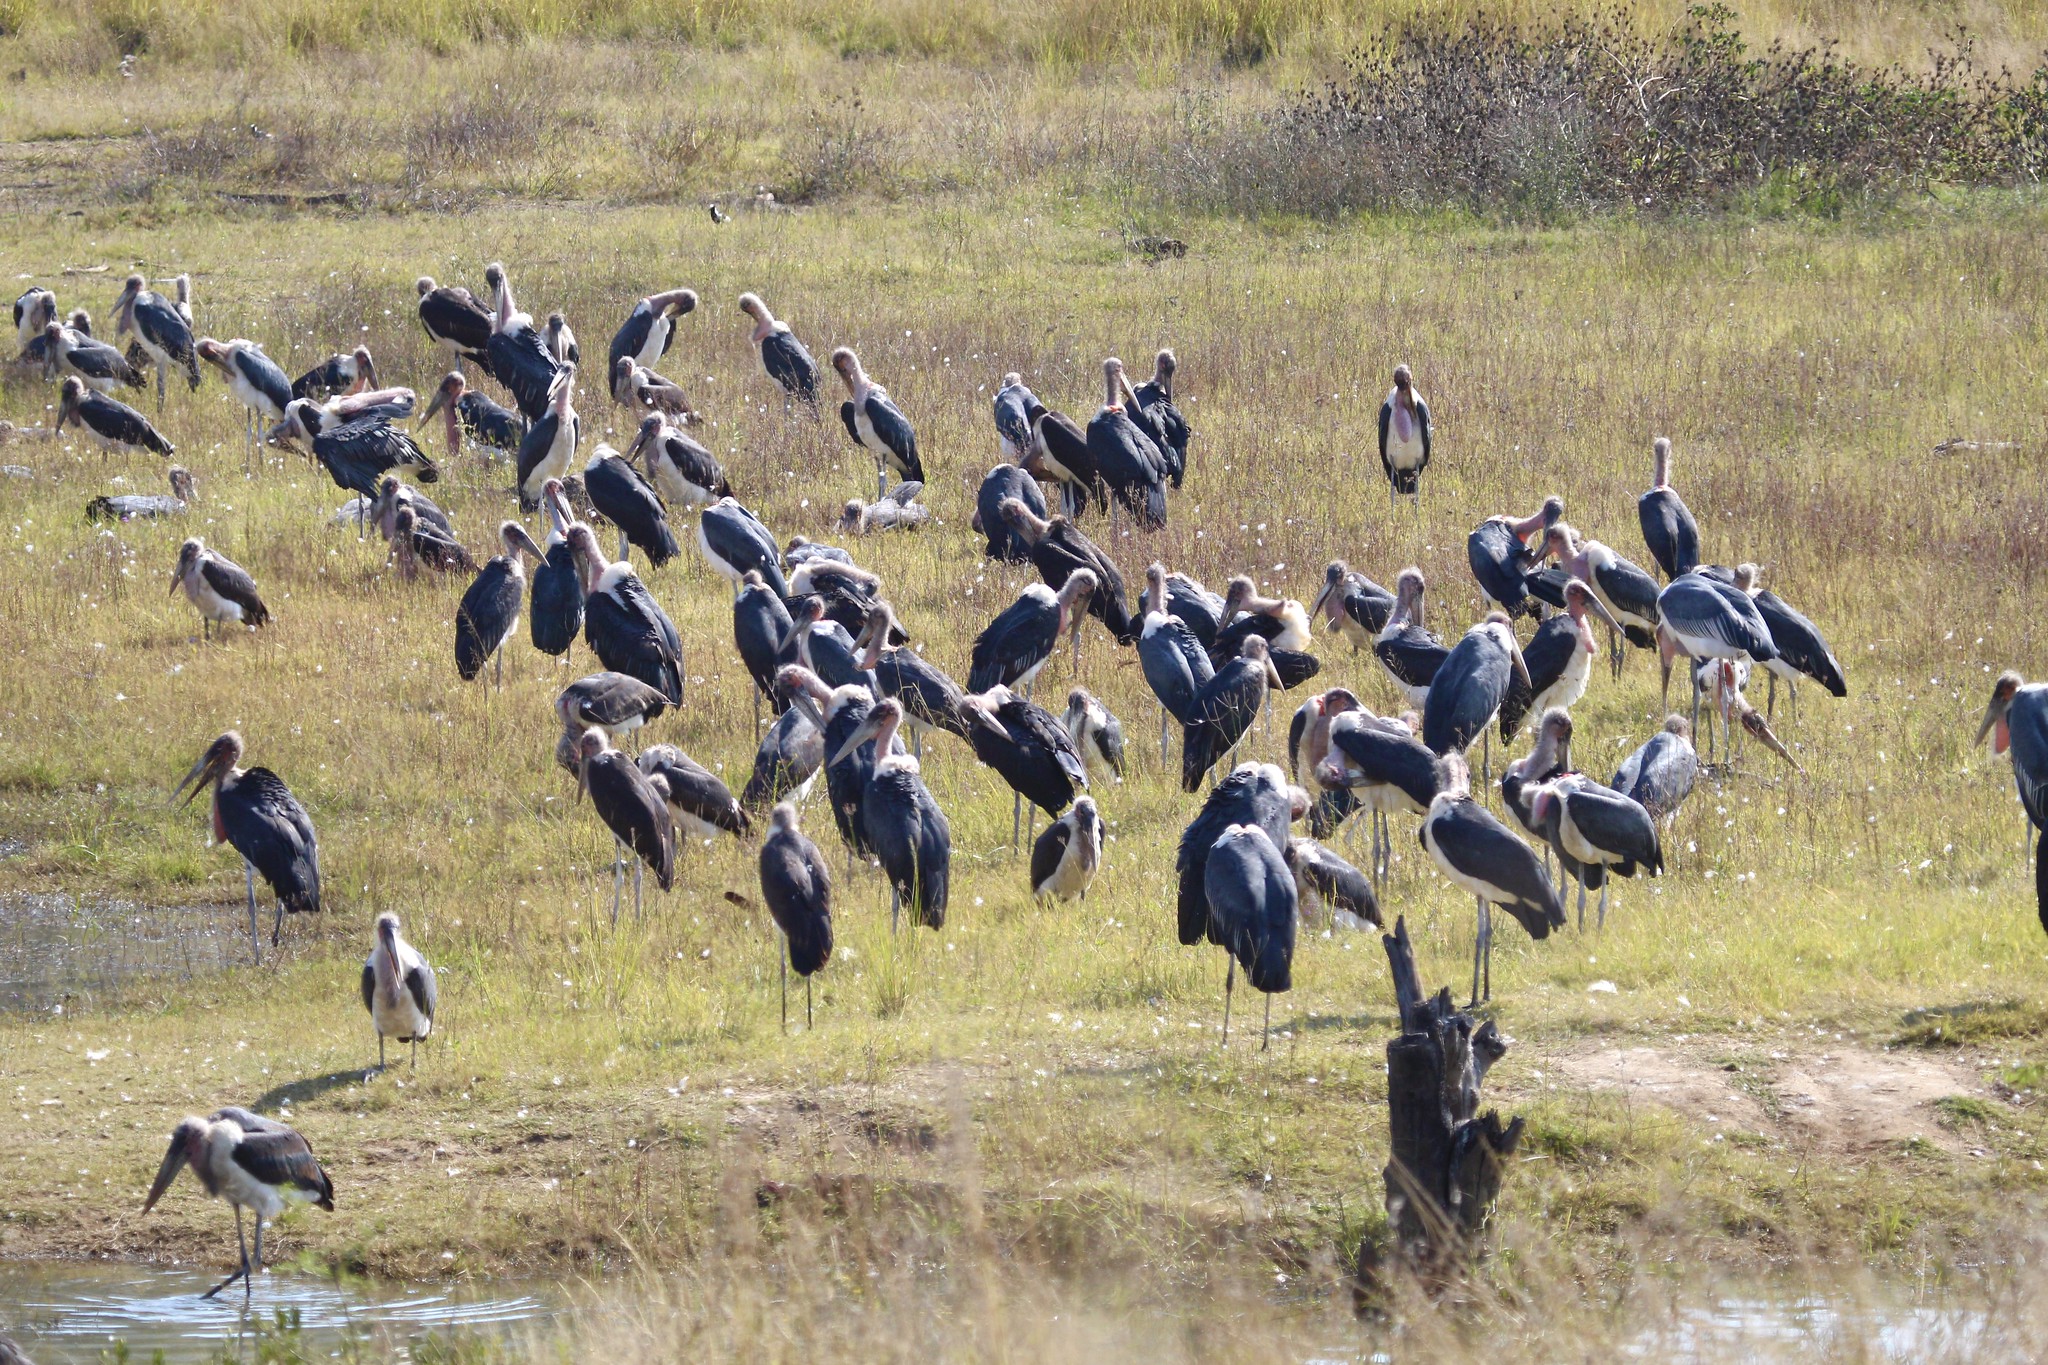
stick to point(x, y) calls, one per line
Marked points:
point(694, 788)
point(421, 986)
point(1047, 852)
point(268, 826)
point(1176, 666)
point(1548, 652)
point(846, 415)
point(611, 699)
point(280, 1158)
point(896, 435)
point(233, 582)
point(1481, 847)
point(798, 891)
point(1800, 644)
point(790, 365)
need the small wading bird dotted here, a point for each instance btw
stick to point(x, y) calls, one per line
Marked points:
point(128, 506)
point(797, 886)
point(1404, 437)
point(489, 611)
point(111, 424)
point(1065, 858)
point(1477, 852)
point(398, 989)
point(254, 1163)
point(2017, 722)
point(221, 589)
point(1669, 531)
point(783, 357)
point(163, 332)
point(254, 811)
point(876, 424)
point(901, 823)
point(634, 808)
point(1252, 909)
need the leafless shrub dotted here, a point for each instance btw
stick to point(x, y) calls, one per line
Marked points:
point(839, 150)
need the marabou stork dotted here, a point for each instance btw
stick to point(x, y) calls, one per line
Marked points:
point(649, 330)
point(221, 590)
point(1661, 774)
point(1596, 827)
point(1252, 909)
point(1024, 635)
point(1012, 407)
point(642, 389)
point(254, 811)
point(519, 357)
point(1467, 692)
point(1253, 794)
point(2017, 721)
point(846, 592)
point(1175, 664)
point(128, 506)
point(623, 624)
point(392, 495)
point(556, 615)
point(896, 510)
point(560, 341)
point(1059, 453)
point(1308, 744)
point(1065, 859)
point(634, 807)
point(1003, 482)
point(1548, 759)
point(1703, 619)
point(355, 372)
point(1098, 736)
point(876, 424)
point(930, 698)
point(111, 424)
point(825, 647)
point(1281, 621)
point(1058, 549)
point(786, 762)
point(357, 454)
point(1718, 683)
point(1224, 709)
point(1404, 437)
point(254, 1163)
point(1407, 650)
point(1126, 456)
point(1028, 748)
point(1669, 531)
point(1357, 607)
point(630, 503)
point(472, 414)
point(760, 623)
point(398, 989)
point(836, 712)
point(1802, 650)
point(1477, 852)
point(901, 823)
point(34, 311)
point(164, 333)
point(550, 441)
point(797, 885)
point(1629, 593)
point(733, 541)
point(679, 468)
point(253, 378)
point(489, 611)
point(453, 320)
point(1154, 398)
point(1386, 769)
point(384, 405)
point(69, 351)
point(611, 702)
point(415, 541)
point(1176, 594)
point(783, 357)
point(699, 803)
point(802, 550)
point(1501, 560)
point(1321, 877)
point(1559, 657)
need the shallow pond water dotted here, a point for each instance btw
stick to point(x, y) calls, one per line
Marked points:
point(60, 953)
point(70, 1312)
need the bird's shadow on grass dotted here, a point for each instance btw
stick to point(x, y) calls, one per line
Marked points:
point(311, 1088)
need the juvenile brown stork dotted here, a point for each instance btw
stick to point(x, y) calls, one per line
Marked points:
point(254, 1163)
point(255, 812)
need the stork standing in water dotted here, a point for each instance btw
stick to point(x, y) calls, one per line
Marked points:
point(1017, 644)
point(472, 414)
point(1058, 549)
point(164, 333)
point(221, 589)
point(1127, 456)
point(254, 811)
point(66, 350)
point(1028, 748)
point(1253, 905)
point(489, 611)
point(1467, 692)
point(783, 357)
point(649, 329)
point(398, 990)
point(797, 885)
point(253, 378)
point(876, 424)
point(1407, 650)
point(2017, 722)
point(355, 372)
point(1498, 552)
point(1065, 859)
point(1480, 854)
point(902, 824)
point(110, 423)
point(453, 320)
point(634, 807)
point(1404, 437)
point(556, 616)
point(680, 469)
point(625, 627)
point(550, 441)
point(1669, 531)
point(519, 356)
point(254, 1163)
point(630, 503)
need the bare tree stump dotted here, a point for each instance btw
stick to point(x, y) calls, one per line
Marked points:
point(1445, 1166)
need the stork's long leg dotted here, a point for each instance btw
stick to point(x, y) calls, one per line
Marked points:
point(257, 1268)
point(1771, 696)
point(498, 663)
point(1601, 923)
point(1016, 818)
point(1162, 734)
point(1229, 981)
point(1486, 936)
point(380, 1051)
point(807, 1004)
point(895, 906)
point(785, 985)
point(414, 1064)
point(243, 1273)
point(636, 889)
point(1478, 947)
point(618, 879)
point(1266, 1032)
point(1582, 900)
point(255, 943)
